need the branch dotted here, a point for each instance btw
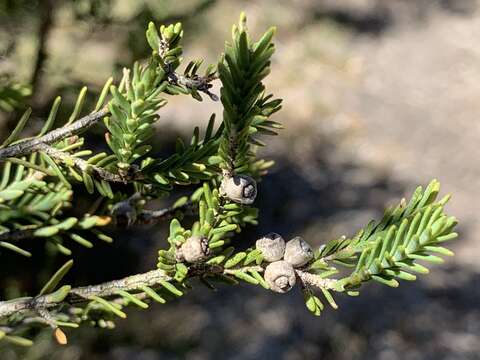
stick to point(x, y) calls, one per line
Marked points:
point(85, 293)
point(31, 145)
point(88, 293)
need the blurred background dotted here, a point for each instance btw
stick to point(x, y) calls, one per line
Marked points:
point(379, 97)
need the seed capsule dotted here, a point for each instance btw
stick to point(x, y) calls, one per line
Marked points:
point(241, 189)
point(298, 252)
point(124, 214)
point(280, 276)
point(272, 246)
point(194, 249)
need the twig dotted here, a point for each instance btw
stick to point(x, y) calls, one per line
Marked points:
point(31, 145)
point(111, 288)
point(195, 82)
point(199, 83)
point(83, 165)
point(84, 294)
point(150, 216)
point(15, 235)
point(316, 280)
point(144, 217)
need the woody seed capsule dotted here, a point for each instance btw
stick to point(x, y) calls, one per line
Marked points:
point(272, 247)
point(194, 249)
point(298, 252)
point(241, 189)
point(280, 276)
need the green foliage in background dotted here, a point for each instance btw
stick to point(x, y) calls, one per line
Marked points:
point(39, 172)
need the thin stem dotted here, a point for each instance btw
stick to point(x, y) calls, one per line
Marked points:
point(83, 165)
point(31, 145)
point(144, 217)
point(316, 280)
point(84, 294)
point(15, 235)
point(151, 216)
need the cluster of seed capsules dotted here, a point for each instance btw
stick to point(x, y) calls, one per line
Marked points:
point(283, 257)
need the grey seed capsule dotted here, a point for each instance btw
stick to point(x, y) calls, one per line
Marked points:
point(241, 189)
point(272, 246)
point(194, 249)
point(280, 276)
point(298, 252)
point(124, 214)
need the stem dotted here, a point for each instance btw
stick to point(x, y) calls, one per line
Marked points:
point(28, 146)
point(316, 280)
point(150, 216)
point(83, 294)
point(15, 235)
point(84, 165)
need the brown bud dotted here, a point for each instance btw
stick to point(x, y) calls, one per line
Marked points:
point(272, 246)
point(241, 189)
point(280, 276)
point(194, 249)
point(298, 252)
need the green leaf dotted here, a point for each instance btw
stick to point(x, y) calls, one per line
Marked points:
point(259, 278)
point(20, 125)
point(17, 340)
point(171, 288)
point(88, 181)
point(78, 105)
point(55, 169)
point(132, 298)
point(181, 272)
point(46, 231)
point(82, 241)
point(56, 278)
point(245, 277)
point(150, 292)
point(109, 306)
point(103, 94)
point(88, 222)
point(67, 223)
point(7, 195)
point(237, 258)
point(51, 117)
point(59, 295)
point(14, 248)
point(386, 280)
